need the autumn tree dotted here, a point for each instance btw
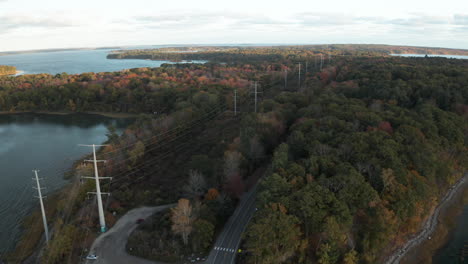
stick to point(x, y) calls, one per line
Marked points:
point(351, 257)
point(137, 152)
point(182, 219)
point(235, 185)
point(273, 236)
point(232, 161)
point(212, 194)
point(60, 245)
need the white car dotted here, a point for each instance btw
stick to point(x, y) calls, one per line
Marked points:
point(92, 257)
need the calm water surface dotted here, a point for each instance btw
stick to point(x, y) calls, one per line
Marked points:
point(48, 143)
point(452, 251)
point(432, 55)
point(72, 62)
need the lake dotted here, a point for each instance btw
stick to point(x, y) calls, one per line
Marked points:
point(72, 62)
point(433, 55)
point(450, 253)
point(48, 143)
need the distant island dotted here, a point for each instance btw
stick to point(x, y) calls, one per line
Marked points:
point(277, 53)
point(7, 70)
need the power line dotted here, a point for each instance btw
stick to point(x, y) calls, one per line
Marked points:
point(178, 132)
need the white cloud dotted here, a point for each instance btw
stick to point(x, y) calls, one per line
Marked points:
point(461, 20)
point(23, 21)
point(62, 29)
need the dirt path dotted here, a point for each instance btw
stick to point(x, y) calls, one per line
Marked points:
point(430, 224)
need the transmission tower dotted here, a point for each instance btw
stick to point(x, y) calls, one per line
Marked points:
point(256, 92)
point(44, 218)
point(299, 76)
point(321, 62)
point(102, 220)
point(285, 79)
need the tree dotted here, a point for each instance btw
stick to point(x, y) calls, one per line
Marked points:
point(274, 189)
point(323, 253)
point(202, 164)
point(196, 185)
point(351, 257)
point(235, 185)
point(111, 134)
point(313, 204)
point(61, 245)
point(182, 219)
point(137, 152)
point(280, 157)
point(202, 235)
point(232, 160)
point(273, 236)
point(212, 194)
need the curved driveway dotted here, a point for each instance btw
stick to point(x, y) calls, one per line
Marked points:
point(110, 246)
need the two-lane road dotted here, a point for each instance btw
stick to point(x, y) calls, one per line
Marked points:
point(227, 244)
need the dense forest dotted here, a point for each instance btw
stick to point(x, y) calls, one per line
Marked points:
point(137, 91)
point(354, 155)
point(7, 70)
point(274, 53)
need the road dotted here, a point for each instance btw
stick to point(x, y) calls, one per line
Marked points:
point(225, 248)
point(430, 224)
point(110, 246)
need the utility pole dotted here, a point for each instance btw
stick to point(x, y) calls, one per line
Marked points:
point(256, 92)
point(285, 79)
point(299, 76)
point(235, 102)
point(98, 193)
point(321, 62)
point(255, 96)
point(44, 219)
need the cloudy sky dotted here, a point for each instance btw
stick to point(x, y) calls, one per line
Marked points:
point(41, 24)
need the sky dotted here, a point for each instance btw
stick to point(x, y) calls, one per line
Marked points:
point(45, 24)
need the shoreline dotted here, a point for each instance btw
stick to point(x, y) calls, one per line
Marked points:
point(425, 252)
point(106, 114)
point(431, 228)
point(31, 238)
